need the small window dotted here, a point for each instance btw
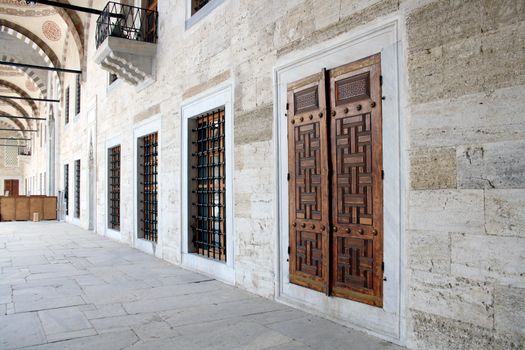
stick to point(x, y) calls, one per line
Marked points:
point(66, 188)
point(114, 188)
point(196, 10)
point(66, 106)
point(77, 188)
point(208, 189)
point(148, 163)
point(112, 78)
point(77, 95)
point(196, 5)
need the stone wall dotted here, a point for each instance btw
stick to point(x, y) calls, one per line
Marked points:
point(465, 129)
point(467, 173)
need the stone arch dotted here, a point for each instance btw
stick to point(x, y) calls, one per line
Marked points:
point(20, 110)
point(10, 124)
point(30, 73)
point(21, 92)
point(74, 23)
point(38, 44)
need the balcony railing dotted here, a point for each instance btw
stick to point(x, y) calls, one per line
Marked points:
point(127, 22)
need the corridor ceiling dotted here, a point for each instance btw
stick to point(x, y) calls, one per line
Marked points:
point(40, 35)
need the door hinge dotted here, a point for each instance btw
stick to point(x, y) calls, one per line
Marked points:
point(289, 250)
point(382, 174)
point(288, 177)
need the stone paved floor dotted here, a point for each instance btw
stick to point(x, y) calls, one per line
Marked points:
point(65, 288)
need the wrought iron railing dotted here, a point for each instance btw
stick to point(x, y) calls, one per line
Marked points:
point(128, 22)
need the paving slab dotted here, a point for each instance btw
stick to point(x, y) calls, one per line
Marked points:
point(26, 303)
point(106, 341)
point(65, 323)
point(65, 288)
point(20, 330)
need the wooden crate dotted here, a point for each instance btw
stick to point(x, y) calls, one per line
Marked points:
point(22, 209)
point(50, 208)
point(36, 205)
point(7, 209)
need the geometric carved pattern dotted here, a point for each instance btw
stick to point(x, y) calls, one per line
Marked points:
point(306, 100)
point(11, 159)
point(339, 254)
point(309, 253)
point(308, 171)
point(336, 222)
point(308, 183)
point(357, 212)
point(352, 89)
point(355, 262)
point(354, 170)
point(51, 31)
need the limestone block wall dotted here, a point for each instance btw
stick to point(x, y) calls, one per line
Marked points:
point(464, 125)
point(465, 230)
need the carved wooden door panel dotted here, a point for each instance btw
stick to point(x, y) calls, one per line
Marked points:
point(357, 193)
point(308, 185)
point(335, 182)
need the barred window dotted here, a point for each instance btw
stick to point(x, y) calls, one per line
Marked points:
point(148, 186)
point(77, 188)
point(66, 106)
point(77, 95)
point(114, 188)
point(66, 187)
point(208, 185)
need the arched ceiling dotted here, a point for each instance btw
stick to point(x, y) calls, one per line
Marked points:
point(39, 35)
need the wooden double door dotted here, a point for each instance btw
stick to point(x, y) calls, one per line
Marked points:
point(12, 187)
point(335, 182)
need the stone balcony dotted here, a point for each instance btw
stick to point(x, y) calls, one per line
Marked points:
point(126, 41)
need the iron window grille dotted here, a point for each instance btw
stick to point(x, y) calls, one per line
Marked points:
point(66, 187)
point(77, 188)
point(127, 22)
point(196, 5)
point(114, 188)
point(208, 185)
point(66, 105)
point(148, 186)
point(77, 97)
